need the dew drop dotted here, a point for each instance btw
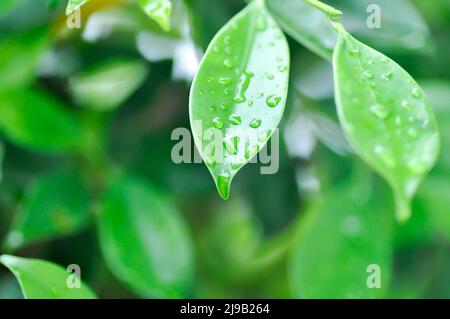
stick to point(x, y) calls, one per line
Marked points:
point(273, 100)
point(354, 52)
point(224, 106)
point(412, 132)
point(385, 60)
point(250, 151)
point(212, 107)
point(415, 93)
point(231, 145)
point(270, 76)
point(388, 75)
point(217, 122)
point(244, 84)
point(235, 119)
point(223, 185)
point(368, 74)
point(380, 111)
point(228, 63)
point(251, 102)
point(264, 136)
point(225, 80)
point(255, 123)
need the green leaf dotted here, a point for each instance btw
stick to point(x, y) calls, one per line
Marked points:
point(19, 57)
point(2, 156)
point(54, 205)
point(342, 234)
point(144, 239)
point(239, 93)
point(74, 5)
point(386, 116)
point(108, 85)
point(305, 24)
point(396, 33)
point(158, 10)
point(40, 279)
point(35, 120)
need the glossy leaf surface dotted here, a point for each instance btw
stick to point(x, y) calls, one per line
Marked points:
point(386, 116)
point(239, 93)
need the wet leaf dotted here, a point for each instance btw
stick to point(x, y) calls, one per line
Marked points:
point(239, 93)
point(158, 10)
point(40, 279)
point(343, 233)
point(35, 120)
point(54, 205)
point(108, 85)
point(144, 239)
point(386, 117)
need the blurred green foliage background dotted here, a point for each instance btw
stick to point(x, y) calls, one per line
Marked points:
point(86, 117)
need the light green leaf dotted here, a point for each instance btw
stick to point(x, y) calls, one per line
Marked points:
point(54, 205)
point(239, 93)
point(386, 116)
point(144, 239)
point(35, 120)
point(19, 57)
point(342, 234)
point(74, 5)
point(158, 10)
point(108, 85)
point(305, 24)
point(40, 279)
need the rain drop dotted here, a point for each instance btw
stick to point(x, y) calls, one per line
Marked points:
point(255, 123)
point(235, 119)
point(273, 100)
point(217, 122)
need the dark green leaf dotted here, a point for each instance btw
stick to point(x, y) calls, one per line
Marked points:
point(239, 93)
point(144, 239)
point(41, 279)
point(54, 205)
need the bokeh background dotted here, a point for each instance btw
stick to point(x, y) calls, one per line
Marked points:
point(81, 106)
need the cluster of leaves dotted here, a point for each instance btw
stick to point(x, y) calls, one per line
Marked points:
point(86, 117)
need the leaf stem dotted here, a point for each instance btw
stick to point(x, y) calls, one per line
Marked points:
point(328, 10)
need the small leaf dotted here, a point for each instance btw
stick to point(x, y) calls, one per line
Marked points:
point(342, 234)
point(55, 205)
point(40, 279)
point(386, 116)
point(145, 240)
point(108, 85)
point(158, 10)
point(74, 5)
point(19, 58)
point(239, 92)
point(36, 120)
point(305, 24)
